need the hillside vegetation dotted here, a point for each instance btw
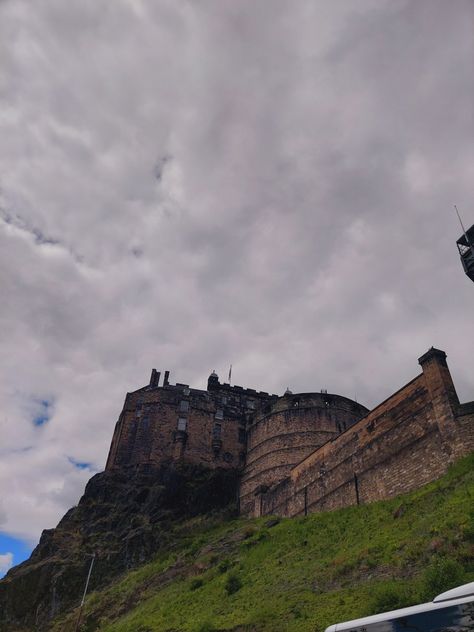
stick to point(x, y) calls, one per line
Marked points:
point(296, 574)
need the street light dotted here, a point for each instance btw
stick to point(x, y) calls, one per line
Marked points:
point(85, 593)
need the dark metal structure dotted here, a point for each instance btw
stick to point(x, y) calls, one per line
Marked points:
point(466, 250)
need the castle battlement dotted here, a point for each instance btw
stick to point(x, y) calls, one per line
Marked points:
point(305, 451)
point(175, 422)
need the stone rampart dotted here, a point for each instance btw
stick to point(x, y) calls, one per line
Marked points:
point(287, 431)
point(405, 442)
point(301, 452)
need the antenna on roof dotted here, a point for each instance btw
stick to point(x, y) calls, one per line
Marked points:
point(230, 373)
point(462, 226)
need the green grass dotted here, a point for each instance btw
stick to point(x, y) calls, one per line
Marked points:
point(302, 574)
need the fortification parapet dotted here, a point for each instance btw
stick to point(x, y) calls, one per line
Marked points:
point(285, 431)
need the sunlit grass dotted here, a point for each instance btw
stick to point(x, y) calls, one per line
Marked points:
point(301, 574)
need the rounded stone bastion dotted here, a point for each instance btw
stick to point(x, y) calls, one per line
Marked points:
point(285, 432)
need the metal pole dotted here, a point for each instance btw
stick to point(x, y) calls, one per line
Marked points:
point(85, 593)
point(462, 226)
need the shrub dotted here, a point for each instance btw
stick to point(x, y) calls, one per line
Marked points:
point(196, 583)
point(249, 532)
point(224, 566)
point(233, 584)
point(206, 627)
point(442, 574)
point(388, 597)
point(468, 531)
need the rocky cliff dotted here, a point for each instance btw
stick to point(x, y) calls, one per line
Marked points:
point(124, 517)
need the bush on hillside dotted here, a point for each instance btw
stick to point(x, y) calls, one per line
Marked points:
point(224, 566)
point(196, 583)
point(390, 596)
point(206, 627)
point(233, 584)
point(442, 574)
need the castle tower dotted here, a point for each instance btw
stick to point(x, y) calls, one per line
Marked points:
point(285, 432)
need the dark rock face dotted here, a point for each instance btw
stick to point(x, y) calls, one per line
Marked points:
point(123, 517)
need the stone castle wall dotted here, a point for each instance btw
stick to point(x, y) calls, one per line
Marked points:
point(175, 422)
point(405, 442)
point(305, 452)
point(288, 431)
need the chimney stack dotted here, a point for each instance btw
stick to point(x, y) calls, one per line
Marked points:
point(155, 378)
point(166, 379)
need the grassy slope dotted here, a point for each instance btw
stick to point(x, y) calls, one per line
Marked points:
point(300, 574)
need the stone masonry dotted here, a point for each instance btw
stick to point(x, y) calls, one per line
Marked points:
point(166, 423)
point(305, 452)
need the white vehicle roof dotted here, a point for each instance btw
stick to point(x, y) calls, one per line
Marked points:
point(459, 595)
point(456, 593)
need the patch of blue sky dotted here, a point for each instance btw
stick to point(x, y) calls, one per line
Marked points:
point(81, 465)
point(20, 549)
point(44, 412)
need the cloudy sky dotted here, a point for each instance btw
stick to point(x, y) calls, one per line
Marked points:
point(189, 184)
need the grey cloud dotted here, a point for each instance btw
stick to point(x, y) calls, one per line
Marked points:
point(265, 185)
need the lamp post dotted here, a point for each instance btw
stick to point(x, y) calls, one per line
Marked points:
point(85, 593)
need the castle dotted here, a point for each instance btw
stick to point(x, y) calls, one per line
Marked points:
point(305, 452)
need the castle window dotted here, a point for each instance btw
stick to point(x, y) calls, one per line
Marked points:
point(216, 431)
point(182, 424)
point(186, 391)
point(223, 400)
point(251, 405)
point(183, 406)
point(219, 413)
point(228, 458)
point(241, 435)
